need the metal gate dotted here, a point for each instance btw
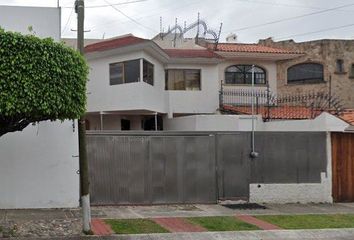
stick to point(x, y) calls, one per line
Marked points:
point(197, 167)
point(155, 169)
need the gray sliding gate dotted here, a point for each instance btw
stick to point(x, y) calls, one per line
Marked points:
point(197, 167)
point(142, 169)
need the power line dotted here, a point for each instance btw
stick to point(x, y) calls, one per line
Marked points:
point(68, 21)
point(318, 31)
point(109, 5)
point(290, 18)
point(132, 19)
point(286, 5)
point(158, 13)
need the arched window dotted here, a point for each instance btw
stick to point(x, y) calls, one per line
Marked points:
point(242, 74)
point(305, 73)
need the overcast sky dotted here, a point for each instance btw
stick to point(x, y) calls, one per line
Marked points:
point(251, 20)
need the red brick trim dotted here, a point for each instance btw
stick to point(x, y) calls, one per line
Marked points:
point(100, 228)
point(257, 222)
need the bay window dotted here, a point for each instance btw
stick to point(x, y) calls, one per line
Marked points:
point(129, 71)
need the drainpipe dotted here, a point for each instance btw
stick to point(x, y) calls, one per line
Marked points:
point(253, 153)
point(101, 121)
point(155, 121)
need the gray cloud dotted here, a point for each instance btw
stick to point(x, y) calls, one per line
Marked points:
point(234, 14)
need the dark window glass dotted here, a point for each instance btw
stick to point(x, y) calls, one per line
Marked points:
point(183, 79)
point(131, 71)
point(124, 72)
point(339, 66)
point(242, 74)
point(116, 73)
point(125, 124)
point(148, 72)
point(305, 73)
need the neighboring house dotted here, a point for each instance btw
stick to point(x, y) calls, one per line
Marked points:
point(137, 84)
point(38, 166)
point(327, 65)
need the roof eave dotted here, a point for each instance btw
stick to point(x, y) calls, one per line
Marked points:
point(195, 60)
point(148, 46)
point(258, 55)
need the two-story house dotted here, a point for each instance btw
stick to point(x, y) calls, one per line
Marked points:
point(142, 84)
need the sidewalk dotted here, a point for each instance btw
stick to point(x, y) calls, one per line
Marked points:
point(200, 210)
point(66, 223)
point(328, 234)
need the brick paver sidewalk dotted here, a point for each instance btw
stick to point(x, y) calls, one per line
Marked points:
point(100, 228)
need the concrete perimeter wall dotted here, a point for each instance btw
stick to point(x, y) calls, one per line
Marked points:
point(37, 167)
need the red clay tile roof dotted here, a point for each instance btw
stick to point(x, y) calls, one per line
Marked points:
point(347, 116)
point(282, 112)
point(251, 48)
point(114, 43)
point(289, 112)
point(191, 53)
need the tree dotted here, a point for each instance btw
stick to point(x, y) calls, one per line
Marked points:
point(39, 80)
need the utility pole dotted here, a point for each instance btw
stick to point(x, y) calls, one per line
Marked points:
point(84, 179)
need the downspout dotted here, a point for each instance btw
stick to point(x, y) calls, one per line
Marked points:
point(253, 153)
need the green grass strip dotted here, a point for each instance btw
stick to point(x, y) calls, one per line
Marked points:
point(135, 226)
point(310, 221)
point(222, 223)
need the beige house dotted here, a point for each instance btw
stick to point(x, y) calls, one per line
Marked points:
point(326, 65)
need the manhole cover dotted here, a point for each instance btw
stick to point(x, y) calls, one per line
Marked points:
point(244, 206)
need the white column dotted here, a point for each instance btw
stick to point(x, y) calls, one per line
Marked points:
point(141, 69)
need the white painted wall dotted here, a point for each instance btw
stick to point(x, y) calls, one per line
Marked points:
point(37, 167)
point(323, 123)
point(130, 96)
point(204, 101)
point(45, 21)
point(294, 193)
point(211, 123)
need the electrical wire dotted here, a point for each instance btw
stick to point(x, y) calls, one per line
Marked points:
point(109, 5)
point(318, 31)
point(130, 18)
point(158, 13)
point(68, 21)
point(290, 18)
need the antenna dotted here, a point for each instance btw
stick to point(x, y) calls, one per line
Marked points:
point(161, 31)
point(174, 40)
point(218, 38)
point(197, 38)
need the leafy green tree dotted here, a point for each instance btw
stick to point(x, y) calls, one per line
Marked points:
point(39, 80)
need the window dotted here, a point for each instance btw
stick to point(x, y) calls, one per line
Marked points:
point(183, 79)
point(352, 71)
point(148, 72)
point(124, 72)
point(339, 66)
point(305, 73)
point(242, 74)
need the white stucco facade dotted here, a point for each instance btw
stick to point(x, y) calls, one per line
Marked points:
point(297, 193)
point(44, 21)
point(38, 165)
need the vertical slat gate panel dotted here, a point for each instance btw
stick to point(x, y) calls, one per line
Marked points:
point(343, 167)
